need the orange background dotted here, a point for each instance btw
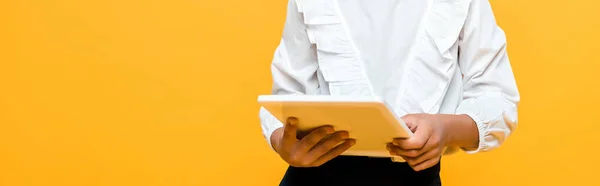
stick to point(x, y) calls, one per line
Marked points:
point(122, 92)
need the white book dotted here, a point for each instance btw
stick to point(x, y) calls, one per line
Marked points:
point(369, 120)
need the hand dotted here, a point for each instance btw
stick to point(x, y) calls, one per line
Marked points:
point(312, 150)
point(425, 148)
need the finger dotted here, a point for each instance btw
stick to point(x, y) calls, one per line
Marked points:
point(427, 164)
point(397, 151)
point(326, 145)
point(432, 143)
point(417, 141)
point(336, 151)
point(431, 154)
point(289, 132)
point(310, 140)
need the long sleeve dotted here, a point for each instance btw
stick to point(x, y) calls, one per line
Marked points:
point(294, 66)
point(490, 95)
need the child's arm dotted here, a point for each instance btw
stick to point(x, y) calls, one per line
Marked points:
point(490, 94)
point(487, 115)
point(294, 66)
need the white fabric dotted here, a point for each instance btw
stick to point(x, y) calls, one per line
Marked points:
point(406, 52)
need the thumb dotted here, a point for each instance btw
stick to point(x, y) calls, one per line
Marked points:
point(422, 133)
point(411, 121)
point(289, 130)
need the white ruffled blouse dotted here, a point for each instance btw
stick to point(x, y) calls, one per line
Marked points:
point(421, 56)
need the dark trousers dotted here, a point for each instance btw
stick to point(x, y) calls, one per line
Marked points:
point(359, 171)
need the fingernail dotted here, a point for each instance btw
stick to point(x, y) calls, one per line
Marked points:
point(292, 121)
point(352, 142)
point(329, 130)
point(345, 135)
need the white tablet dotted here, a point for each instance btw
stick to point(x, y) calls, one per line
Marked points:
point(369, 120)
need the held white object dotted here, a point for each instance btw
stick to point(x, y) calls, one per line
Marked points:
point(369, 120)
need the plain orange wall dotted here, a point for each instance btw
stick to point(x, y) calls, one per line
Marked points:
point(123, 92)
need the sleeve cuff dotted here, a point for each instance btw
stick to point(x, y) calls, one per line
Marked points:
point(481, 129)
point(269, 124)
point(495, 119)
